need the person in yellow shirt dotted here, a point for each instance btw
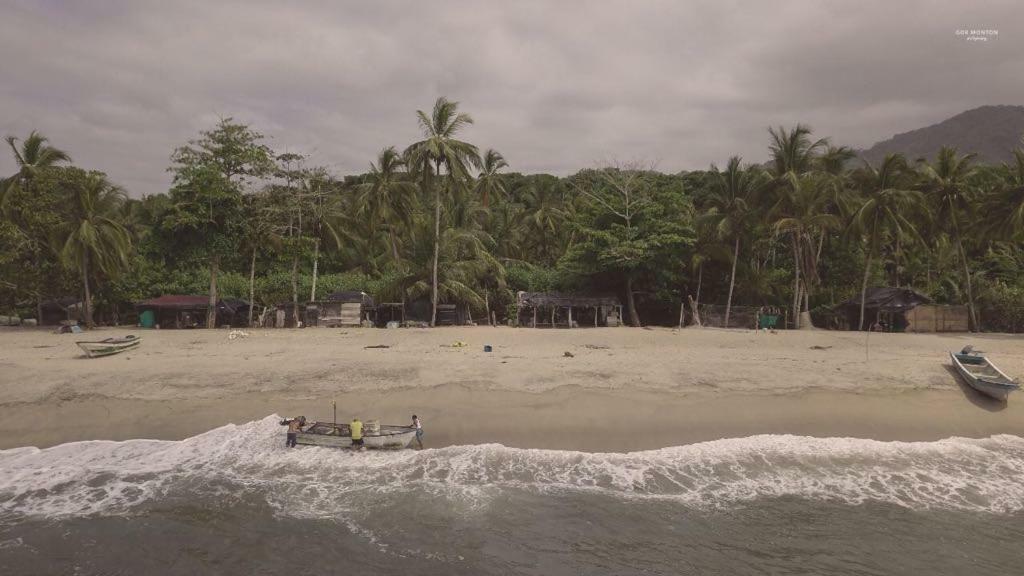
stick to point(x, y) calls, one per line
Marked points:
point(357, 433)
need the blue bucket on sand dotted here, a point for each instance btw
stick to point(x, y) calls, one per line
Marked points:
point(487, 348)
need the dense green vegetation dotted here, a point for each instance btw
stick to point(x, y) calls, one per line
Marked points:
point(443, 222)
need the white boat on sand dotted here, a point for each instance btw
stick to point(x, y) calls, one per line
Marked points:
point(334, 435)
point(108, 346)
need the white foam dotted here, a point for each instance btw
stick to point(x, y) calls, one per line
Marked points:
point(85, 478)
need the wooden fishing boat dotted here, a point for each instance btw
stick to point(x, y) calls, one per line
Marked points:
point(982, 375)
point(332, 435)
point(109, 346)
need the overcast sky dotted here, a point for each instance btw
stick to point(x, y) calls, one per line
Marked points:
point(555, 86)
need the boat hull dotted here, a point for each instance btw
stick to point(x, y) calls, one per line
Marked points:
point(109, 346)
point(979, 373)
point(389, 438)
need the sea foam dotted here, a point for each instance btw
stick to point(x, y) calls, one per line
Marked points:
point(250, 461)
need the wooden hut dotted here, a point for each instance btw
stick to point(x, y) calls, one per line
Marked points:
point(188, 311)
point(348, 308)
point(885, 308)
point(554, 309)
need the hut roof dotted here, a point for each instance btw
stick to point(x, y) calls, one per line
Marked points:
point(566, 300)
point(175, 301)
point(887, 299)
point(351, 296)
point(186, 302)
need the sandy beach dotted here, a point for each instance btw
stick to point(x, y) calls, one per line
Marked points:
point(621, 389)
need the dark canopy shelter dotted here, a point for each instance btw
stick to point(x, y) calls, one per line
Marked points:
point(884, 305)
point(186, 311)
point(554, 308)
point(344, 308)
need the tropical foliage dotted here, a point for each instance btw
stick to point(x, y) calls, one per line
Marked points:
point(438, 221)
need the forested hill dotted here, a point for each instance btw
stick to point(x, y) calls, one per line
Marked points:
point(991, 132)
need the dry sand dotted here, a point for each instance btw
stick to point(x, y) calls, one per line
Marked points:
point(622, 388)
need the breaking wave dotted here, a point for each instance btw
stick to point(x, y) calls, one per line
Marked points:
point(249, 462)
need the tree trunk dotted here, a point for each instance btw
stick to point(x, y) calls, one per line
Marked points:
point(967, 278)
point(295, 289)
point(87, 304)
point(316, 262)
point(252, 284)
point(695, 310)
point(864, 287)
point(634, 317)
point(732, 281)
point(211, 312)
point(437, 247)
point(796, 284)
point(805, 315)
point(700, 280)
point(394, 243)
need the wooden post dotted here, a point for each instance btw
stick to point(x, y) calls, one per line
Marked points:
point(570, 316)
point(487, 308)
point(534, 316)
point(553, 308)
point(595, 316)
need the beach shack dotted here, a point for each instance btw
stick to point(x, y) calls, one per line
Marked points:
point(60, 311)
point(902, 310)
point(553, 309)
point(346, 308)
point(189, 311)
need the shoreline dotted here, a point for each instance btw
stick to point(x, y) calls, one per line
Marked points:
point(621, 389)
point(561, 419)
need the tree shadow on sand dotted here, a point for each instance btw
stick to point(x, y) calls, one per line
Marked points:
point(975, 397)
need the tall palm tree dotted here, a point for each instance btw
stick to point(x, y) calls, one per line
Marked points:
point(1006, 205)
point(794, 154)
point(440, 149)
point(730, 210)
point(489, 182)
point(802, 211)
point(947, 184)
point(34, 155)
point(388, 196)
point(889, 201)
point(93, 240)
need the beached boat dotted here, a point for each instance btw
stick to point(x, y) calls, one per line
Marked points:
point(982, 375)
point(109, 346)
point(332, 435)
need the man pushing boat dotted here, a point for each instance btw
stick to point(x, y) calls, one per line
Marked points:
point(295, 426)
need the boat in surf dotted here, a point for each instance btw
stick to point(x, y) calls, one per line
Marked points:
point(981, 374)
point(109, 346)
point(334, 435)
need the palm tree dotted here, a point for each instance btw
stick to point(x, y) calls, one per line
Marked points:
point(34, 155)
point(794, 154)
point(729, 210)
point(489, 182)
point(388, 196)
point(889, 200)
point(92, 237)
point(543, 217)
point(946, 183)
point(802, 211)
point(1006, 205)
point(440, 149)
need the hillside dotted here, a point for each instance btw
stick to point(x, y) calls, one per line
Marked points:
point(990, 131)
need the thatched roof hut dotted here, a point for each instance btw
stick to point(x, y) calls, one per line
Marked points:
point(571, 310)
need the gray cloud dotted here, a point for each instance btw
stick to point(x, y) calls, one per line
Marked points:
point(555, 86)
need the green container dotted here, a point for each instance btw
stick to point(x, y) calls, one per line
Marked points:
point(147, 319)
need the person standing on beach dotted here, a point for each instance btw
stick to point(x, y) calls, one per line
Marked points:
point(357, 433)
point(419, 430)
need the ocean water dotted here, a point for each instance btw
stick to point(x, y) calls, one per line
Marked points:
point(235, 501)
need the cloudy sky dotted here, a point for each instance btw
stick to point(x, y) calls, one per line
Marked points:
point(555, 86)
